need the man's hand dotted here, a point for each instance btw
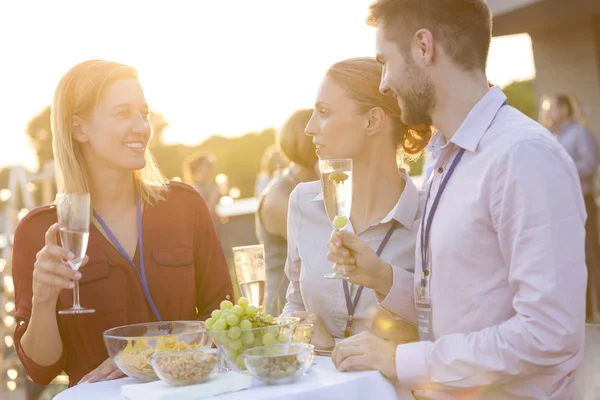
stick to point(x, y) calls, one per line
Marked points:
point(364, 352)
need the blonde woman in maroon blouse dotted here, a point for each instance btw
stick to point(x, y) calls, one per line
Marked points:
point(101, 131)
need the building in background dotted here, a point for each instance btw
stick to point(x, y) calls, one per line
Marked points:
point(565, 36)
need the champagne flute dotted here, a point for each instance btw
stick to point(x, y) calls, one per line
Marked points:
point(74, 219)
point(250, 272)
point(336, 183)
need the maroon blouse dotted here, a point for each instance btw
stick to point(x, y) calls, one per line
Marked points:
point(185, 267)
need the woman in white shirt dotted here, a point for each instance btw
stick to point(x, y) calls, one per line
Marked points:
point(352, 119)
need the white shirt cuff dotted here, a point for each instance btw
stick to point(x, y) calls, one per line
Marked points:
point(413, 364)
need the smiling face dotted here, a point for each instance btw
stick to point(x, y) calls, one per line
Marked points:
point(403, 78)
point(337, 126)
point(117, 131)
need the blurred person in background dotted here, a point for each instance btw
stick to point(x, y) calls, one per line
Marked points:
point(582, 146)
point(200, 171)
point(271, 221)
point(271, 164)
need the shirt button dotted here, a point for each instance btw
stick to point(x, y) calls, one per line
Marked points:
point(440, 170)
point(426, 272)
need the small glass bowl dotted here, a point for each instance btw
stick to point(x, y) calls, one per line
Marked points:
point(280, 363)
point(185, 367)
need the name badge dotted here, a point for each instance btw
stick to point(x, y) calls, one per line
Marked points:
point(423, 306)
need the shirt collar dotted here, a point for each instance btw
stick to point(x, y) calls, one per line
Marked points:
point(406, 209)
point(471, 131)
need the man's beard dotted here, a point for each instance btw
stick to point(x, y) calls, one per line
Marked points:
point(418, 100)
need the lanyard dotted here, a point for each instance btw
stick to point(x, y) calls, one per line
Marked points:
point(142, 275)
point(425, 229)
point(351, 305)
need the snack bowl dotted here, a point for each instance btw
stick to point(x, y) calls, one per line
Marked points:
point(185, 367)
point(233, 342)
point(280, 363)
point(131, 346)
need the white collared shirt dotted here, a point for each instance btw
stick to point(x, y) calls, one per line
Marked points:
point(508, 277)
point(309, 230)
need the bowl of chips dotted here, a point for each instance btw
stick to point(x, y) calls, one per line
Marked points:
point(131, 346)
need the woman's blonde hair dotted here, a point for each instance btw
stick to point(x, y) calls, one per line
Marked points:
point(77, 93)
point(297, 146)
point(360, 78)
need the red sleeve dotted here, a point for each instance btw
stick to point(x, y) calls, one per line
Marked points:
point(29, 239)
point(213, 281)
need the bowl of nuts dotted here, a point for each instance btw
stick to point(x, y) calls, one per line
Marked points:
point(279, 363)
point(131, 346)
point(185, 367)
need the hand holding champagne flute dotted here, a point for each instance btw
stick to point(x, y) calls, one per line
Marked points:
point(336, 183)
point(51, 274)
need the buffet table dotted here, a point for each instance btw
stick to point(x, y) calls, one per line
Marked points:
point(322, 382)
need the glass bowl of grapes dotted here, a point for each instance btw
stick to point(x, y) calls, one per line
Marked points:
point(237, 328)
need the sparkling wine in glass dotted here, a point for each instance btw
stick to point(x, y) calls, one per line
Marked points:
point(336, 183)
point(74, 219)
point(250, 272)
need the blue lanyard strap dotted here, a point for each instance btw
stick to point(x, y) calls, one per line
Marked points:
point(141, 274)
point(351, 305)
point(425, 229)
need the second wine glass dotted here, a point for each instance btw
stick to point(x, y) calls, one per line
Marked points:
point(250, 272)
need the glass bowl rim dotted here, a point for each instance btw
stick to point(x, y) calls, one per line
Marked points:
point(106, 333)
point(303, 348)
point(170, 353)
point(290, 321)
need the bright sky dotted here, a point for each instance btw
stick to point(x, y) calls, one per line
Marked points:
point(212, 67)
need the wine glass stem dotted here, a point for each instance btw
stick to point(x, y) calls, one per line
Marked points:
point(76, 295)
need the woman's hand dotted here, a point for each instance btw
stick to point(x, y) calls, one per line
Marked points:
point(321, 337)
point(107, 369)
point(51, 273)
point(358, 256)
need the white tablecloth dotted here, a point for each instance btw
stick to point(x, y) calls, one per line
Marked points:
point(322, 382)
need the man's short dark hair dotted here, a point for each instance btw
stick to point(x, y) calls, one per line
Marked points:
point(462, 27)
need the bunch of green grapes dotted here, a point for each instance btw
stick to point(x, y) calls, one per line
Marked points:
point(240, 327)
